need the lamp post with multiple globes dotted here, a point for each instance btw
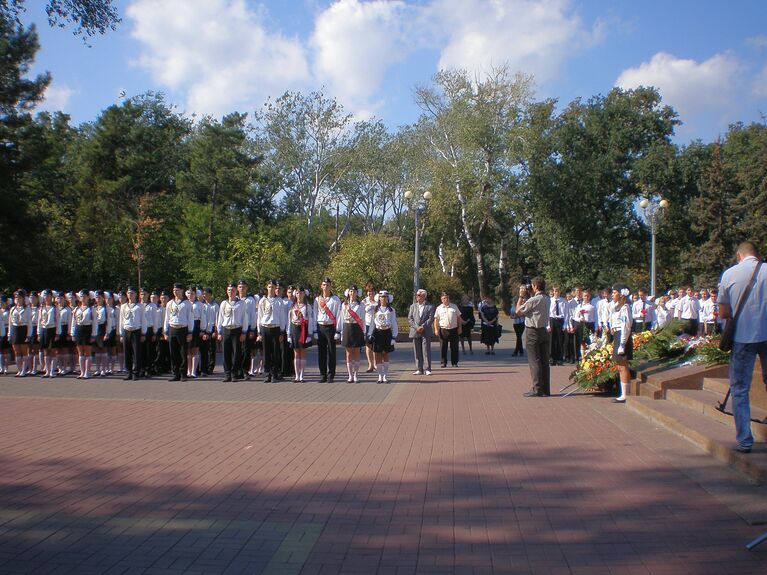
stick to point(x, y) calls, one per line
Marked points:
point(418, 205)
point(652, 212)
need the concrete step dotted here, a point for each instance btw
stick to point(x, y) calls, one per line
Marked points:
point(704, 402)
point(719, 385)
point(707, 433)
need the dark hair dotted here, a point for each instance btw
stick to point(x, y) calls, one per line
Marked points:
point(539, 282)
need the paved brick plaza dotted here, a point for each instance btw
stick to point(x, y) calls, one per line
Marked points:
point(455, 474)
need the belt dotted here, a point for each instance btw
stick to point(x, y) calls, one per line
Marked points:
point(132, 329)
point(178, 326)
point(331, 323)
point(269, 325)
point(231, 326)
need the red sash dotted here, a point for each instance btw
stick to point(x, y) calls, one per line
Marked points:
point(356, 318)
point(326, 309)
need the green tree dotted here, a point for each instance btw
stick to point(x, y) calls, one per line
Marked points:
point(305, 141)
point(18, 95)
point(89, 17)
point(582, 192)
point(466, 124)
point(377, 258)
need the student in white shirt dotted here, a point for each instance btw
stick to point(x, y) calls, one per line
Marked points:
point(623, 350)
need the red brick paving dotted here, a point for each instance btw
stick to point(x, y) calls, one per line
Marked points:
point(459, 474)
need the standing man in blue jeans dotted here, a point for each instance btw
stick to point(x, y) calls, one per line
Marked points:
point(750, 335)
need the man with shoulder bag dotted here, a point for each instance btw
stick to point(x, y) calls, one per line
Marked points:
point(744, 285)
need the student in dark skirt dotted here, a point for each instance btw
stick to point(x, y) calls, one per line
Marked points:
point(34, 342)
point(620, 323)
point(351, 324)
point(101, 333)
point(4, 345)
point(48, 326)
point(20, 329)
point(83, 333)
point(382, 333)
point(301, 326)
point(198, 310)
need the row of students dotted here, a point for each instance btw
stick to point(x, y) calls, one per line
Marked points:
point(187, 328)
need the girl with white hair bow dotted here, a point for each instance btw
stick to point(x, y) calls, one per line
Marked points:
point(351, 324)
point(620, 322)
point(383, 332)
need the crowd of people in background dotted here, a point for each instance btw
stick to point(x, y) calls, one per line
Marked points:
point(143, 333)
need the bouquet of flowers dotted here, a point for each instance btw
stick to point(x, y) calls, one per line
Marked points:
point(596, 371)
point(641, 338)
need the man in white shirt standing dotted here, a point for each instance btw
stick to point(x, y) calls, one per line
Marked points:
point(690, 313)
point(447, 327)
point(271, 324)
point(327, 307)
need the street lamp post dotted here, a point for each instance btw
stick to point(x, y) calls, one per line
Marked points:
point(652, 213)
point(418, 204)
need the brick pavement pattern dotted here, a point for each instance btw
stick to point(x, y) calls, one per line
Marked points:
point(453, 473)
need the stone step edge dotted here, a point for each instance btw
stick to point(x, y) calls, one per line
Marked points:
point(716, 442)
point(704, 401)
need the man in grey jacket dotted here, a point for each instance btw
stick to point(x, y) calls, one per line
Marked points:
point(419, 318)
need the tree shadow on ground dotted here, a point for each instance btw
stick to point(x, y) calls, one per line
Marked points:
point(521, 509)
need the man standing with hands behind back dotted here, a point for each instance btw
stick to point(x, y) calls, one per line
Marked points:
point(750, 338)
point(420, 318)
point(536, 313)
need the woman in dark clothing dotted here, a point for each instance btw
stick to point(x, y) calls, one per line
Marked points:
point(467, 323)
point(488, 313)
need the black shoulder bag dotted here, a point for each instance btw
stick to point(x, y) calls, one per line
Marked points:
point(728, 335)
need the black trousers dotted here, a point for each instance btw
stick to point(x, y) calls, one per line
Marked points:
point(449, 337)
point(148, 351)
point(326, 348)
point(206, 345)
point(162, 362)
point(178, 348)
point(132, 351)
point(557, 338)
point(519, 329)
point(692, 327)
point(232, 349)
point(286, 355)
point(272, 351)
point(247, 354)
point(638, 326)
point(537, 340)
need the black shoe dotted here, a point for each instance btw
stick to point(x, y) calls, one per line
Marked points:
point(741, 449)
point(184, 378)
point(176, 378)
point(268, 379)
point(331, 378)
point(324, 379)
point(444, 365)
point(278, 378)
point(227, 379)
point(136, 377)
point(128, 377)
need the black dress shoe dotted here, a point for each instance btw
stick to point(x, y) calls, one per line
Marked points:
point(331, 378)
point(616, 400)
point(227, 379)
point(268, 379)
point(741, 449)
point(136, 377)
point(324, 379)
point(184, 378)
point(175, 379)
point(128, 377)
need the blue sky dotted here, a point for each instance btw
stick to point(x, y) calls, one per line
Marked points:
point(708, 58)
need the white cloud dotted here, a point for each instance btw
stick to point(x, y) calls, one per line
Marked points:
point(690, 87)
point(355, 44)
point(534, 37)
point(218, 52)
point(759, 41)
point(56, 98)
